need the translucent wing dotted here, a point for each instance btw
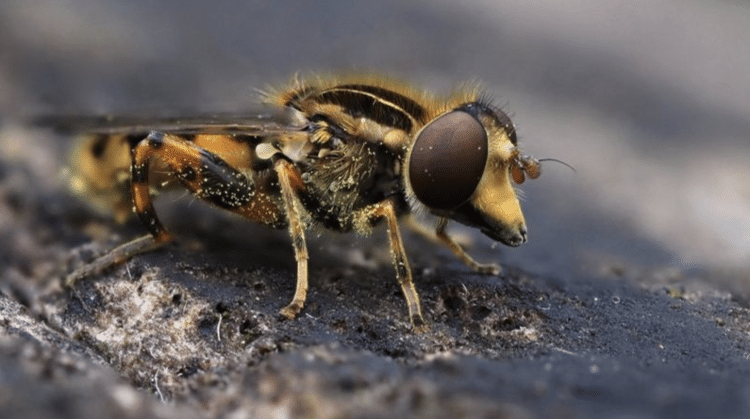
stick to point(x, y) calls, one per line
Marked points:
point(255, 124)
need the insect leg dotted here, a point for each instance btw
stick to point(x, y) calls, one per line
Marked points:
point(143, 153)
point(386, 209)
point(206, 175)
point(443, 237)
point(201, 171)
point(116, 256)
point(142, 203)
point(291, 184)
point(418, 227)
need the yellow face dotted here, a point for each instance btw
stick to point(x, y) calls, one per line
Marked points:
point(495, 200)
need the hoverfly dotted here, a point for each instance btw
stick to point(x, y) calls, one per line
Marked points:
point(352, 152)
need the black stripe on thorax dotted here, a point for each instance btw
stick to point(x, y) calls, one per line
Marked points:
point(408, 105)
point(381, 105)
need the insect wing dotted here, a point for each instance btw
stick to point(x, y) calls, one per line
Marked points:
point(257, 124)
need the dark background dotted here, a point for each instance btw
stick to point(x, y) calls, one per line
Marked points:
point(648, 100)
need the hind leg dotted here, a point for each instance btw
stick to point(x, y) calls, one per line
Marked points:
point(203, 173)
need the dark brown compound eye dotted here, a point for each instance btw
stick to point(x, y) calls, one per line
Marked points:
point(448, 160)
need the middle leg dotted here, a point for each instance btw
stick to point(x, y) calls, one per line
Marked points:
point(291, 184)
point(386, 210)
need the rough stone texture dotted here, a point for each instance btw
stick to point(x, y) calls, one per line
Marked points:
point(631, 300)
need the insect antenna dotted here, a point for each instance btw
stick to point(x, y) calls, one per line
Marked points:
point(559, 161)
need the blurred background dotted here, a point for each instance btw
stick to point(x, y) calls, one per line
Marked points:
point(648, 100)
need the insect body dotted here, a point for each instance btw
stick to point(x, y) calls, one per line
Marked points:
point(353, 153)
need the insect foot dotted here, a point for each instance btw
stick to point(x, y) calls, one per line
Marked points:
point(291, 311)
point(488, 269)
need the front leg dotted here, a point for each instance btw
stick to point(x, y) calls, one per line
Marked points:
point(368, 217)
point(482, 268)
point(442, 237)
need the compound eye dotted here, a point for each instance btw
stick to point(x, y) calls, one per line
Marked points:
point(448, 160)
